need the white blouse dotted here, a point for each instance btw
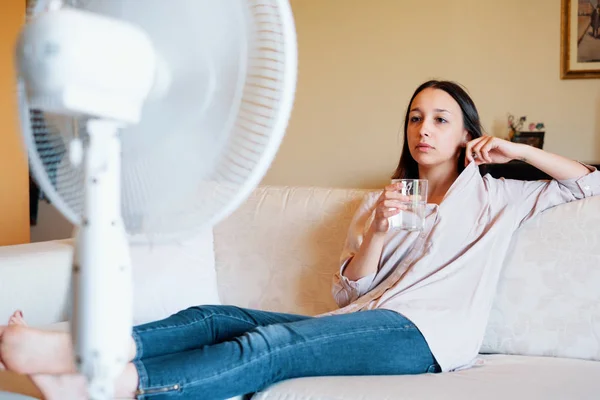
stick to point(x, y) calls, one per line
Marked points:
point(444, 278)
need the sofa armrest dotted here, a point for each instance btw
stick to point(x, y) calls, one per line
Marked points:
point(35, 278)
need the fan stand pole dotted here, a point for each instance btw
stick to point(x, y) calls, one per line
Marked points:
point(102, 281)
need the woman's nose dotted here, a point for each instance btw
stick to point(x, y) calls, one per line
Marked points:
point(424, 130)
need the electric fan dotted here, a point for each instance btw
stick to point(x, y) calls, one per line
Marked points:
point(147, 120)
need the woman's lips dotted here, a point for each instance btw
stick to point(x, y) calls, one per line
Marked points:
point(424, 147)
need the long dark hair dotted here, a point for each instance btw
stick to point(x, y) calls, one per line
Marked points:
point(407, 166)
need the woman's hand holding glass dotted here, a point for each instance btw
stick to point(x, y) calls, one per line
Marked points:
point(390, 203)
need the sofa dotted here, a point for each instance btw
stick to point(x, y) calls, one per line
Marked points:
point(278, 252)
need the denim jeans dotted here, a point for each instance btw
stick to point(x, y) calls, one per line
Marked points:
point(218, 352)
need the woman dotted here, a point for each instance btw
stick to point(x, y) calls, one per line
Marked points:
point(423, 297)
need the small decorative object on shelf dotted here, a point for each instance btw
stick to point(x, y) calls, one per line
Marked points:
point(534, 137)
point(536, 127)
point(515, 125)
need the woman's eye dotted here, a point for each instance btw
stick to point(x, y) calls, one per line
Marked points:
point(441, 120)
point(415, 119)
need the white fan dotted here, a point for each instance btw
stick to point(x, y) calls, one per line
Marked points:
point(147, 120)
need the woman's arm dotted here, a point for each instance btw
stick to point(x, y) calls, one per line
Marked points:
point(571, 180)
point(489, 149)
point(364, 245)
point(558, 167)
point(366, 260)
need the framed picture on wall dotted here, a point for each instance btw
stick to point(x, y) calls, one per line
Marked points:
point(580, 39)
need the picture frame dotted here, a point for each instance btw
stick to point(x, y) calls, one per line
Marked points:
point(580, 39)
point(533, 138)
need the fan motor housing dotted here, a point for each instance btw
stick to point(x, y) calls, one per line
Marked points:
point(79, 63)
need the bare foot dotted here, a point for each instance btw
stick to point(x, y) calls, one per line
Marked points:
point(17, 319)
point(74, 386)
point(27, 350)
point(61, 387)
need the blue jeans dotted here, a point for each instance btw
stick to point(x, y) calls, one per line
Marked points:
point(218, 352)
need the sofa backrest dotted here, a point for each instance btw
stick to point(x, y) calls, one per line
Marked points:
point(167, 277)
point(548, 297)
point(279, 250)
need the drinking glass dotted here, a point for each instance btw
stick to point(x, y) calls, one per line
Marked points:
point(413, 217)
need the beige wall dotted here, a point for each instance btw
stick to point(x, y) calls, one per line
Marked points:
point(360, 61)
point(14, 182)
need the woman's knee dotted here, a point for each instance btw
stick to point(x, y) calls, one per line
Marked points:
point(208, 310)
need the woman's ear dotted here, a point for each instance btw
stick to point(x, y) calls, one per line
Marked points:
point(467, 137)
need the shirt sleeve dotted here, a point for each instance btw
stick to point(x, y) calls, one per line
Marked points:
point(532, 197)
point(344, 290)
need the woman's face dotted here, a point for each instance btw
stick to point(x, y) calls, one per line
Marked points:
point(435, 130)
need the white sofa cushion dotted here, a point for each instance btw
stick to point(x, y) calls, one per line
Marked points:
point(548, 299)
point(502, 377)
point(36, 278)
point(170, 277)
point(280, 249)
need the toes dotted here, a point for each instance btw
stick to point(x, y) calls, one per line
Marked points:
point(17, 314)
point(17, 318)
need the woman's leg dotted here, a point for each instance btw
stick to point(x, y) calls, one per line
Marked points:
point(32, 351)
point(199, 326)
point(377, 342)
